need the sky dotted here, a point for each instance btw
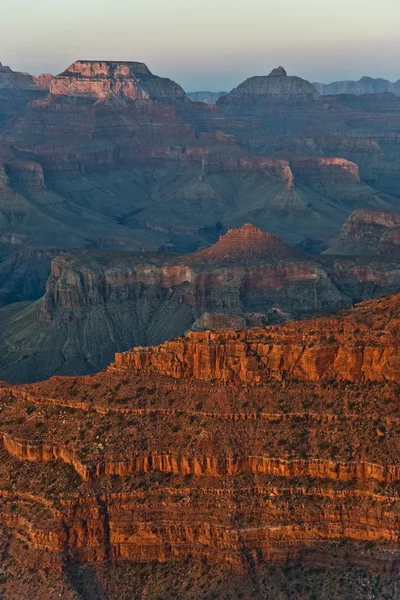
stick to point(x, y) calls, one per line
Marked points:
point(207, 44)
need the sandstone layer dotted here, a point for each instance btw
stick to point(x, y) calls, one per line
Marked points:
point(100, 79)
point(361, 350)
point(172, 455)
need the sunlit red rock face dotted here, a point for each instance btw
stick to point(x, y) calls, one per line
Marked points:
point(232, 447)
point(354, 353)
point(202, 448)
point(102, 114)
point(247, 243)
point(102, 78)
point(44, 80)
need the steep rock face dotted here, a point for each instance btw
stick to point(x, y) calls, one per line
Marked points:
point(224, 321)
point(369, 232)
point(145, 168)
point(365, 85)
point(26, 176)
point(251, 164)
point(5, 189)
point(301, 351)
point(149, 460)
point(97, 303)
point(278, 104)
point(100, 79)
point(320, 169)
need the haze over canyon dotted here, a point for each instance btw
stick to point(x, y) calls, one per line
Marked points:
point(200, 328)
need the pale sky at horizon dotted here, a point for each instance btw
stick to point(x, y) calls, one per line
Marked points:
point(207, 44)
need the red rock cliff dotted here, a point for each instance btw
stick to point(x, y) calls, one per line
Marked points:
point(101, 78)
point(345, 349)
point(133, 464)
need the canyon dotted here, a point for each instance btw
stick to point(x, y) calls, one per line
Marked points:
point(199, 337)
point(146, 168)
point(232, 449)
point(101, 302)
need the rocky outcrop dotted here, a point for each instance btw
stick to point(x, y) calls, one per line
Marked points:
point(14, 80)
point(299, 351)
point(227, 447)
point(113, 129)
point(251, 164)
point(99, 79)
point(248, 244)
point(369, 232)
point(223, 321)
point(26, 176)
point(180, 171)
point(16, 91)
point(277, 86)
point(316, 170)
point(5, 189)
point(44, 81)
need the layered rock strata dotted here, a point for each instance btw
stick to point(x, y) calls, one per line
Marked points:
point(133, 464)
point(277, 85)
point(355, 353)
point(100, 79)
point(178, 168)
point(97, 303)
point(369, 232)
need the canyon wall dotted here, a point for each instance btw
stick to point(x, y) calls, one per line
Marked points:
point(344, 350)
point(191, 450)
point(101, 302)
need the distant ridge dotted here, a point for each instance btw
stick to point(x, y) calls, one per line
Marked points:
point(206, 97)
point(365, 85)
point(277, 85)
